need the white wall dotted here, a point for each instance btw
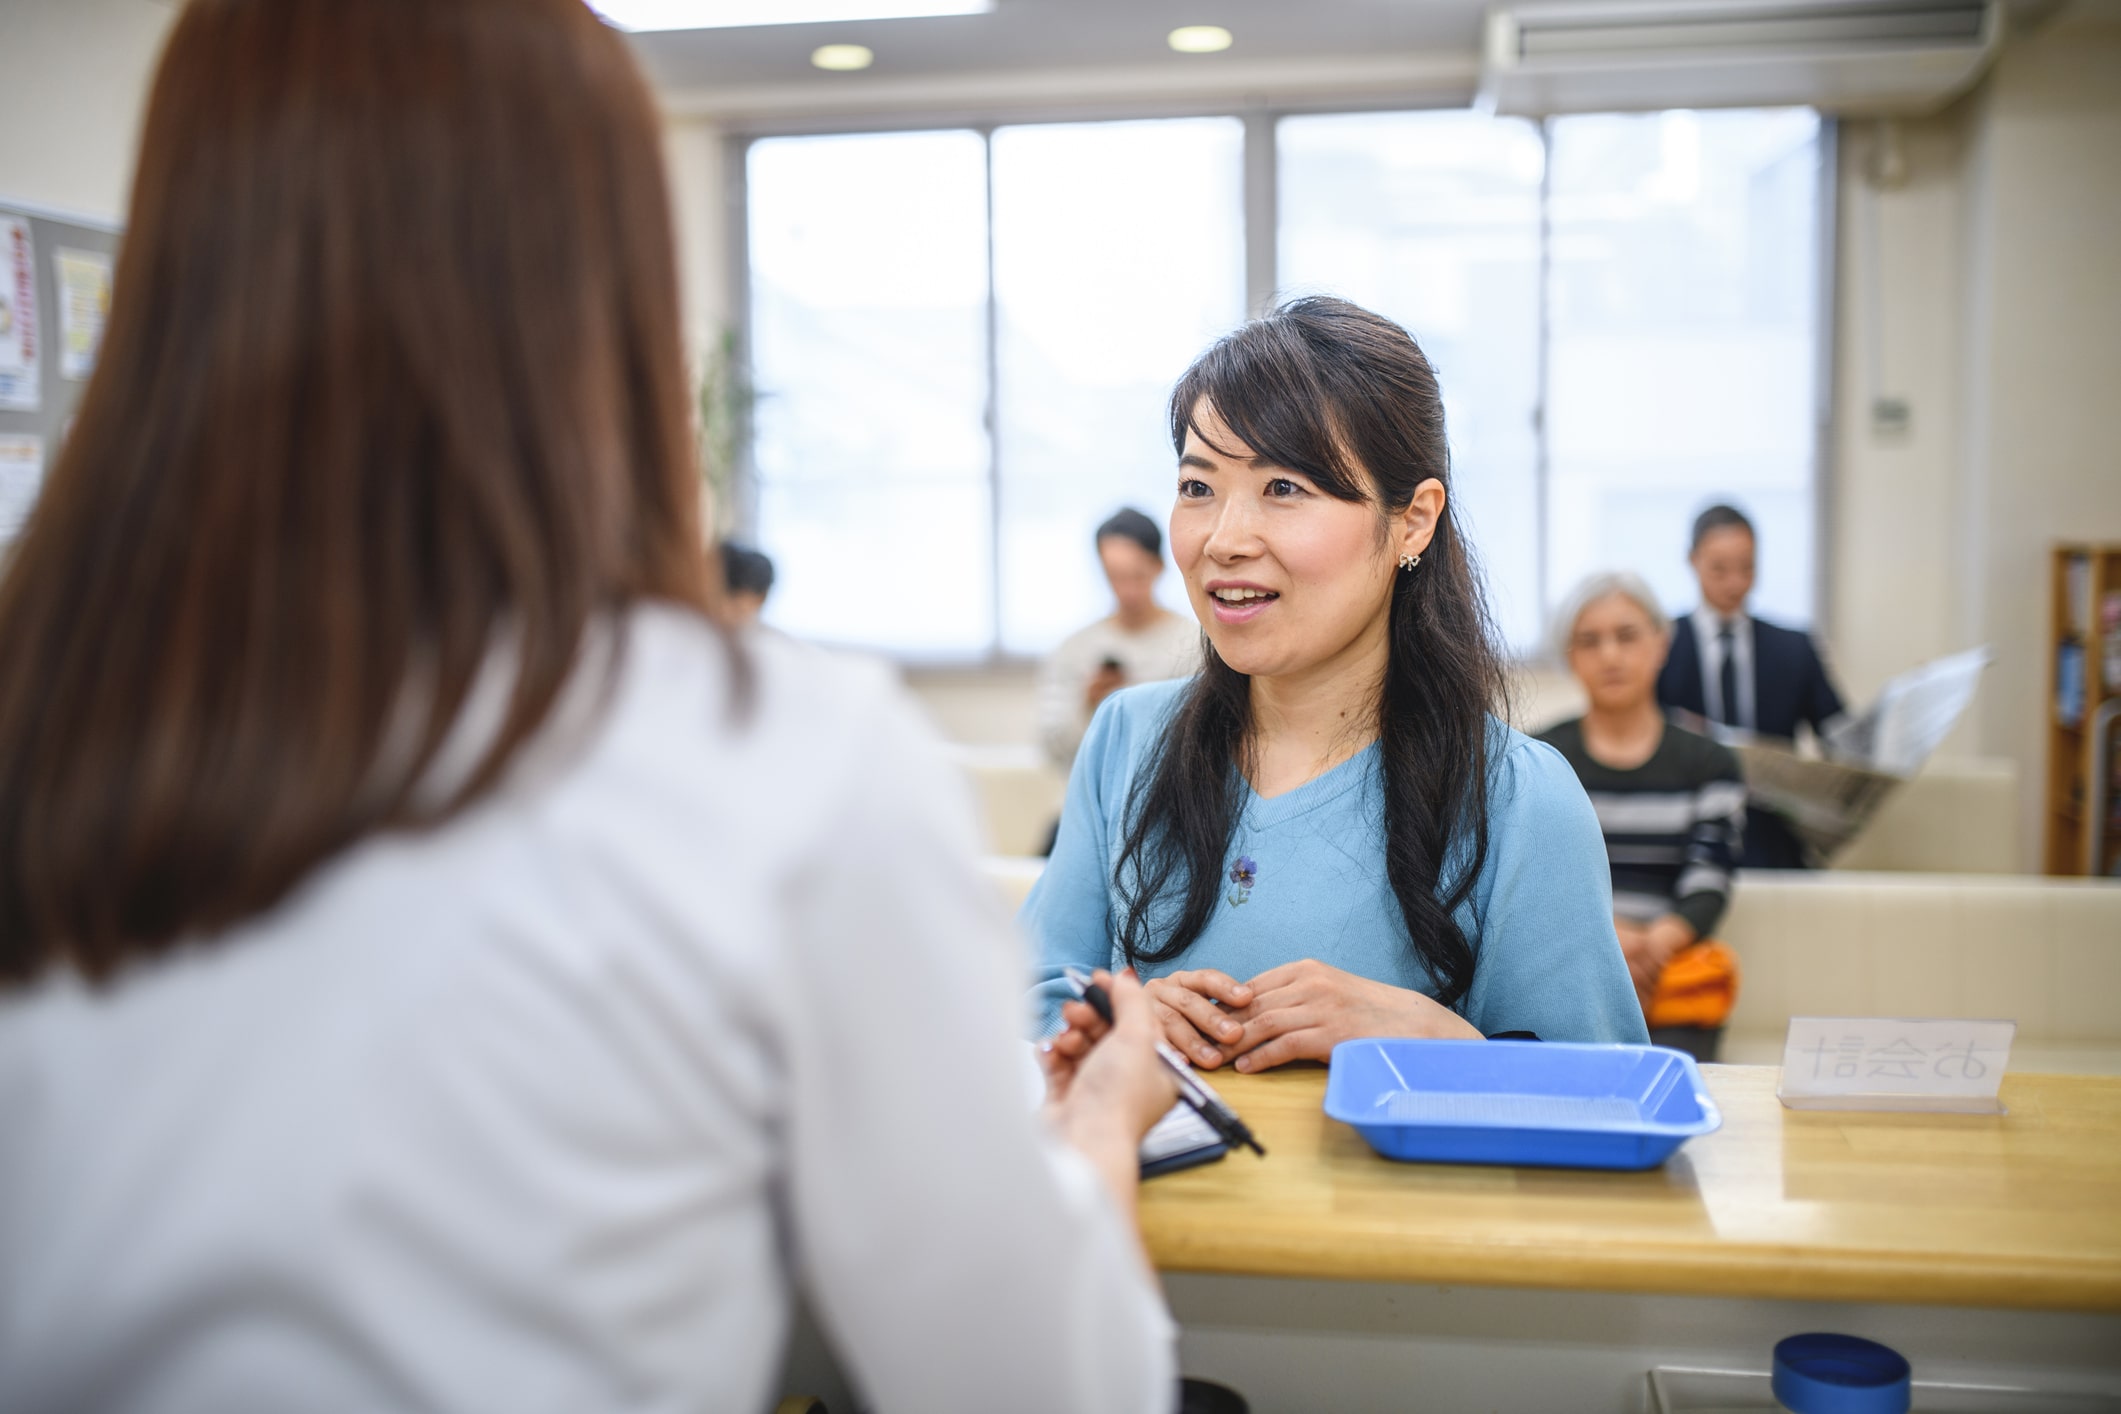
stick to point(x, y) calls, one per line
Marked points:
point(77, 74)
point(1984, 286)
point(2042, 459)
point(693, 159)
point(1892, 521)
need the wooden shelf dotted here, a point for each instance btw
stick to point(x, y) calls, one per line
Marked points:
point(2084, 579)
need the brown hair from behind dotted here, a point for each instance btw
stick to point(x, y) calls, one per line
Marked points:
point(393, 374)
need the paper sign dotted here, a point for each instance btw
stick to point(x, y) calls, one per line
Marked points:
point(1887, 1063)
point(21, 478)
point(83, 278)
point(18, 317)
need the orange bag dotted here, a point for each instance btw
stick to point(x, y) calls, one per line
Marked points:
point(1698, 987)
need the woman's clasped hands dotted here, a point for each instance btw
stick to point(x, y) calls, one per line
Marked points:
point(1297, 1011)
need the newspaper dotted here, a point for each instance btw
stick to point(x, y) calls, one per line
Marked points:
point(1911, 717)
point(1828, 801)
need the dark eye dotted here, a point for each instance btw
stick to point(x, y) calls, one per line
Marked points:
point(1283, 486)
point(1192, 488)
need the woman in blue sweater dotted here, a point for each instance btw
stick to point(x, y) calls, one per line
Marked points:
point(1325, 833)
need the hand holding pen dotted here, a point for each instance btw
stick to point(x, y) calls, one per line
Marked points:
point(1107, 1074)
point(1105, 1087)
point(1192, 1092)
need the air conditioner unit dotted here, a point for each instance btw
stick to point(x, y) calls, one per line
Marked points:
point(1852, 57)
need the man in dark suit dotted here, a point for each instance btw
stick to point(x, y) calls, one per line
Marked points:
point(1732, 668)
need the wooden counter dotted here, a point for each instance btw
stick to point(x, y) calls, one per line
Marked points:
point(2022, 1209)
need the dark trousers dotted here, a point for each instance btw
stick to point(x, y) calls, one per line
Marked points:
point(1769, 842)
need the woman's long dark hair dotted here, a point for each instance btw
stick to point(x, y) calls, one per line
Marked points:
point(1331, 390)
point(393, 371)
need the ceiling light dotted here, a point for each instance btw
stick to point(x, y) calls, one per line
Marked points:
point(842, 58)
point(1200, 39)
point(733, 14)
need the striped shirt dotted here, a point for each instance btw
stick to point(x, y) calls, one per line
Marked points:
point(1672, 825)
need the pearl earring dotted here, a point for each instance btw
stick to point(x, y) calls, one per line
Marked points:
point(1407, 562)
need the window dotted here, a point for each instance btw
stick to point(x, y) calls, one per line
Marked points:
point(1664, 359)
point(1432, 220)
point(1118, 257)
point(962, 343)
point(1683, 317)
point(868, 349)
point(899, 517)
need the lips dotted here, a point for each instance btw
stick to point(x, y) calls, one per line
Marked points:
point(1237, 603)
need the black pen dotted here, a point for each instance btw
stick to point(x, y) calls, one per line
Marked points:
point(1196, 1095)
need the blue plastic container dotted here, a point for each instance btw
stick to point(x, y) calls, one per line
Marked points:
point(1549, 1103)
point(1840, 1374)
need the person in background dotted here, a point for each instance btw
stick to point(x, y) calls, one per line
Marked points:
point(1139, 641)
point(1326, 833)
point(441, 968)
point(747, 575)
point(1670, 802)
point(1737, 671)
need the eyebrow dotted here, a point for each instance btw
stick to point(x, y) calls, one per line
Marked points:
point(1257, 463)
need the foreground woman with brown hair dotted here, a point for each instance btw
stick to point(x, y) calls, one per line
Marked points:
point(438, 968)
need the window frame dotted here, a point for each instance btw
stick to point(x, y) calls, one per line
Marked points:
point(1261, 217)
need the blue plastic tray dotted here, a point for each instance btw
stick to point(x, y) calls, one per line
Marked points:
point(1520, 1102)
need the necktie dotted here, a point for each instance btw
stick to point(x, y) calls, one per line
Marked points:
point(1728, 679)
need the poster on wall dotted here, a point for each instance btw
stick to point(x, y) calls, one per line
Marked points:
point(21, 478)
point(83, 280)
point(18, 317)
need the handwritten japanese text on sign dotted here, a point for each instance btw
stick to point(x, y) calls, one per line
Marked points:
point(1864, 1062)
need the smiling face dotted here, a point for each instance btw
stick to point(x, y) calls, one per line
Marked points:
point(1616, 651)
point(1286, 579)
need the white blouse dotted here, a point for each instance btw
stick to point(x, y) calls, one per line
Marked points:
point(1168, 648)
point(551, 1108)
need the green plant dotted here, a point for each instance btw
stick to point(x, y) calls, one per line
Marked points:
point(722, 399)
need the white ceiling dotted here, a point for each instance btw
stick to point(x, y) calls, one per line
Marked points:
point(1044, 35)
point(1034, 51)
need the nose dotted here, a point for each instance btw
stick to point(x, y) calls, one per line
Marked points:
point(1235, 535)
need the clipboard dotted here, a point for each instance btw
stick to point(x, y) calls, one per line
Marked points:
point(1180, 1140)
